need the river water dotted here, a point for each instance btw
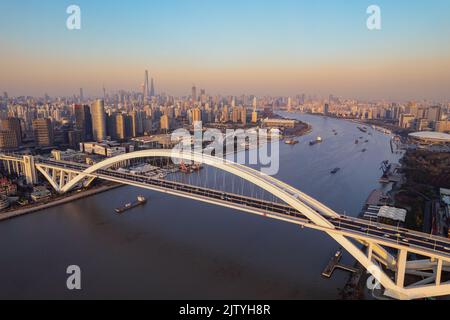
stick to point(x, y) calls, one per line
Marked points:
point(175, 248)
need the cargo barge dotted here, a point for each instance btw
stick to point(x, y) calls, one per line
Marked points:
point(140, 201)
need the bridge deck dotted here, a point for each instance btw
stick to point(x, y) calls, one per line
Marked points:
point(397, 237)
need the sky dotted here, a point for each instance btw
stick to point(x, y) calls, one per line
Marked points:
point(262, 47)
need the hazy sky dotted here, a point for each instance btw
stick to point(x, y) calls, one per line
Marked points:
point(277, 47)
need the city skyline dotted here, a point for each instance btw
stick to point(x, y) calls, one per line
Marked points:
point(229, 48)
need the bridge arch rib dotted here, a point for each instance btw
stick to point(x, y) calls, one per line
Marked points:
point(308, 206)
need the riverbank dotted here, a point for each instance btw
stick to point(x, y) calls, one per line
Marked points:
point(65, 199)
point(424, 173)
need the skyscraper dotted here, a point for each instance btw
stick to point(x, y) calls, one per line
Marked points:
point(235, 115)
point(146, 90)
point(434, 113)
point(43, 132)
point(254, 103)
point(83, 121)
point(8, 140)
point(117, 126)
point(152, 89)
point(225, 115)
point(194, 93)
point(121, 133)
point(98, 120)
point(74, 138)
point(136, 123)
point(5, 100)
point(243, 115)
point(165, 122)
point(12, 125)
point(81, 95)
point(254, 116)
point(196, 115)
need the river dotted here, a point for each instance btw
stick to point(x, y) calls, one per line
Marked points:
point(175, 248)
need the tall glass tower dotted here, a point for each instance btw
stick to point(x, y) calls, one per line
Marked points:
point(98, 120)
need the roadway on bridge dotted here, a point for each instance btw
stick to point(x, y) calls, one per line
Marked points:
point(396, 236)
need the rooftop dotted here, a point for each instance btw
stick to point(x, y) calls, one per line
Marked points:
point(431, 136)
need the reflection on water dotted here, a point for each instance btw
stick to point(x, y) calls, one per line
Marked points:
point(175, 248)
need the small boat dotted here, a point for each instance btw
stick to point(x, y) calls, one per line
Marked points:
point(363, 150)
point(318, 140)
point(364, 129)
point(356, 141)
point(291, 141)
point(335, 170)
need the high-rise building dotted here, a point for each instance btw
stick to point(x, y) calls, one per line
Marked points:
point(244, 115)
point(111, 125)
point(117, 126)
point(396, 111)
point(225, 115)
point(165, 122)
point(235, 115)
point(146, 89)
point(136, 124)
point(254, 103)
point(442, 126)
point(435, 113)
point(81, 95)
point(83, 121)
point(194, 93)
point(74, 138)
point(128, 125)
point(43, 132)
point(407, 120)
point(254, 116)
point(8, 140)
point(422, 125)
point(152, 89)
point(12, 125)
point(98, 120)
point(196, 115)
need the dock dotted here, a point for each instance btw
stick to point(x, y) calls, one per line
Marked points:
point(335, 264)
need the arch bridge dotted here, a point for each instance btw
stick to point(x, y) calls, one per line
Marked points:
point(390, 254)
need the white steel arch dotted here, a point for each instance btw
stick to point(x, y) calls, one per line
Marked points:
point(295, 198)
point(311, 208)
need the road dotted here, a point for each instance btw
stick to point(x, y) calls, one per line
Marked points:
point(390, 234)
